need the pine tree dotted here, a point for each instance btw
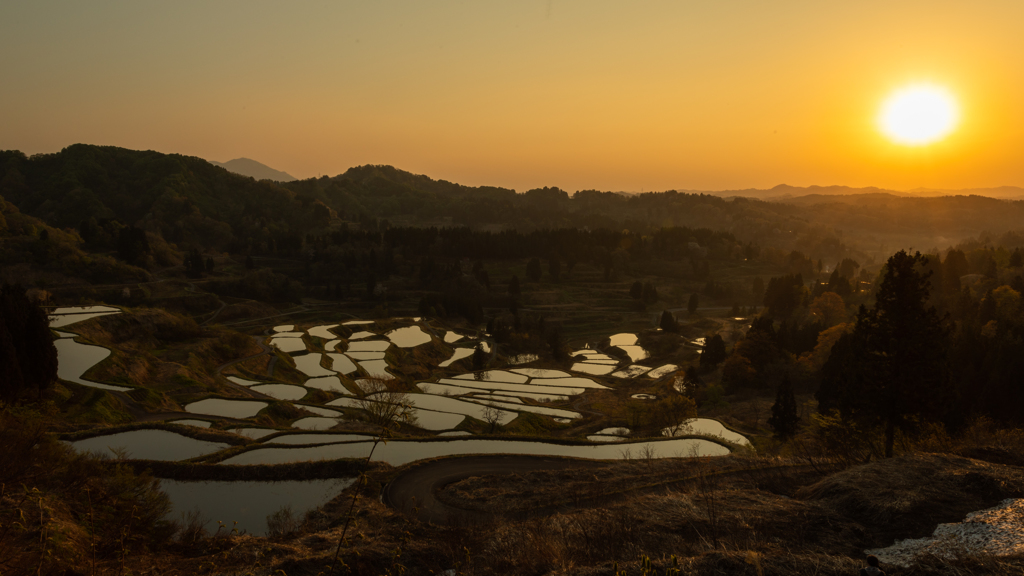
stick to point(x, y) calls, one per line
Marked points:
point(784, 419)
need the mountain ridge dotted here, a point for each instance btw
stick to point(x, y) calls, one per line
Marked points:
point(254, 169)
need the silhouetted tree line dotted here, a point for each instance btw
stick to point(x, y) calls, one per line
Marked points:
point(28, 358)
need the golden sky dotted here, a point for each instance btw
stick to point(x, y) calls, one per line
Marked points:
point(648, 95)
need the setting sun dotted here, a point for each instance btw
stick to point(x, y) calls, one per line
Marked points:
point(918, 115)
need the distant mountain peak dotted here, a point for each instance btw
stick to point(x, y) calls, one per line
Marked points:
point(254, 169)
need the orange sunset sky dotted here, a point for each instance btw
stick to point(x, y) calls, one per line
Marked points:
point(640, 95)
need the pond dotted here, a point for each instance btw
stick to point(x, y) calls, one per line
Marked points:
point(149, 445)
point(459, 354)
point(398, 452)
point(706, 427)
point(280, 391)
point(226, 408)
point(288, 345)
point(248, 503)
point(322, 331)
point(74, 359)
point(408, 337)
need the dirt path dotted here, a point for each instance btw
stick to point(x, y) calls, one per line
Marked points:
point(414, 491)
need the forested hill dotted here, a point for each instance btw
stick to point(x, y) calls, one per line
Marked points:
point(192, 203)
point(183, 199)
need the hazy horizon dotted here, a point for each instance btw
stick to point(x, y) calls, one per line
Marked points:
point(654, 96)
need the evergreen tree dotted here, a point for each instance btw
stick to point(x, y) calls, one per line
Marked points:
point(892, 368)
point(479, 358)
point(26, 345)
point(692, 305)
point(636, 291)
point(668, 322)
point(713, 353)
point(784, 419)
point(650, 294)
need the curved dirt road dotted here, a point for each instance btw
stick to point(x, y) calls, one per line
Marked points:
point(414, 491)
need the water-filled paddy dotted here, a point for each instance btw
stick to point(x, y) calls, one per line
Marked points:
point(243, 381)
point(595, 369)
point(310, 365)
point(299, 439)
point(706, 427)
point(61, 320)
point(188, 422)
point(528, 388)
point(361, 335)
point(450, 337)
point(319, 411)
point(398, 452)
point(357, 322)
point(572, 381)
point(284, 328)
point(455, 406)
point(328, 383)
point(365, 355)
point(331, 345)
point(341, 364)
point(408, 337)
point(149, 445)
point(74, 359)
point(375, 368)
point(226, 408)
point(457, 355)
point(662, 371)
point(288, 345)
point(452, 390)
point(322, 331)
point(368, 346)
point(494, 376)
point(84, 309)
point(631, 371)
point(623, 339)
point(541, 373)
point(315, 423)
point(254, 433)
point(248, 503)
point(636, 353)
point(553, 412)
point(280, 391)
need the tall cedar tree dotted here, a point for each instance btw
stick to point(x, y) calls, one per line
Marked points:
point(784, 417)
point(533, 270)
point(713, 353)
point(692, 305)
point(513, 287)
point(26, 345)
point(892, 367)
point(636, 291)
point(668, 322)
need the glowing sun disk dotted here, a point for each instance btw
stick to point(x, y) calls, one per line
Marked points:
point(918, 115)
